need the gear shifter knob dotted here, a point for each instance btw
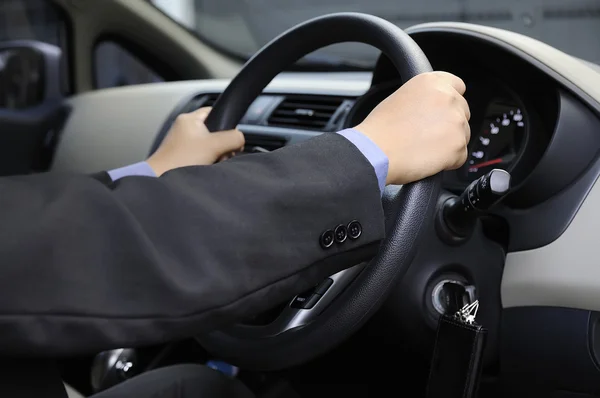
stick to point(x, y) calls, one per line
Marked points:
point(458, 215)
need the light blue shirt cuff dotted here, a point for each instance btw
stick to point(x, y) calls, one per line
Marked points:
point(136, 169)
point(371, 151)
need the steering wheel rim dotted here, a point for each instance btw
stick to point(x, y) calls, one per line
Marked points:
point(408, 209)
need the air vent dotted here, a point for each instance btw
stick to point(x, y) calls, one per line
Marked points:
point(306, 112)
point(200, 101)
point(256, 143)
point(210, 99)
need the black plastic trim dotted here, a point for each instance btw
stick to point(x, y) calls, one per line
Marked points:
point(562, 179)
point(575, 143)
point(479, 261)
point(549, 352)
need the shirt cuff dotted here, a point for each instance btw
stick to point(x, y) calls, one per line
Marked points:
point(371, 151)
point(136, 169)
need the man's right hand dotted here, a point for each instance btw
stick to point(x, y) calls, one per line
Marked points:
point(423, 127)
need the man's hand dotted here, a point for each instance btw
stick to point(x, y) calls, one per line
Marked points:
point(189, 143)
point(423, 127)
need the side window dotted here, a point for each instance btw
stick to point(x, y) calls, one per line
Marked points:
point(114, 66)
point(27, 27)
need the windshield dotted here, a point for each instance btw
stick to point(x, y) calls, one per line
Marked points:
point(241, 27)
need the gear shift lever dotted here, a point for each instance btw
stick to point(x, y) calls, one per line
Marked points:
point(457, 216)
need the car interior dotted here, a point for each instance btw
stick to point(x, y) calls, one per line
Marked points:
point(91, 85)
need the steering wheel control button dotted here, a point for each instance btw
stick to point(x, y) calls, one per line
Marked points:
point(341, 233)
point(327, 239)
point(354, 230)
point(324, 286)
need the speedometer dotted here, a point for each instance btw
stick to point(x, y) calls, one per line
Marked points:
point(499, 142)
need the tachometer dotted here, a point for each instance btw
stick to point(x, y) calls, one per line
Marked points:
point(499, 141)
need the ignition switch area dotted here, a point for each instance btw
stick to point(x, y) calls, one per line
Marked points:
point(450, 295)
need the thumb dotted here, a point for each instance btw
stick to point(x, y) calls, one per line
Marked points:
point(227, 141)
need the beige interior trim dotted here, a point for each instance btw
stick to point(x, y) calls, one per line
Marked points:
point(141, 23)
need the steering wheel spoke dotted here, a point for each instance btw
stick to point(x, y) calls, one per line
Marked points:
point(293, 317)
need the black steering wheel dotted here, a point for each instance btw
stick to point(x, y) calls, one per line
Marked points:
point(298, 335)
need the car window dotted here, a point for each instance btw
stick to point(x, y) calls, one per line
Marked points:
point(30, 20)
point(115, 66)
point(241, 27)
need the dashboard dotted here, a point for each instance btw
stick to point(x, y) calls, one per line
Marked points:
point(513, 116)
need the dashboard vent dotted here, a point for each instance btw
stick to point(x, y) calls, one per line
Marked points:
point(257, 143)
point(199, 102)
point(210, 99)
point(306, 112)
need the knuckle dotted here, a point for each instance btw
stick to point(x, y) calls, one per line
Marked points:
point(181, 118)
point(429, 76)
point(241, 140)
point(427, 79)
point(448, 95)
point(442, 96)
point(462, 158)
point(464, 122)
point(460, 142)
point(459, 159)
point(458, 119)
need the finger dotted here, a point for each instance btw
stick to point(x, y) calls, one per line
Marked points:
point(464, 105)
point(228, 141)
point(456, 82)
point(202, 113)
point(468, 133)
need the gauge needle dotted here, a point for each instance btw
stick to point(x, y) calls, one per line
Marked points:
point(486, 163)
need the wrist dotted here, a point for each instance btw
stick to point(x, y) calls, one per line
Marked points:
point(371, 134)
point(157, 165)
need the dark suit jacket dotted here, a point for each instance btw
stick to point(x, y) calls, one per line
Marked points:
point(88, 264)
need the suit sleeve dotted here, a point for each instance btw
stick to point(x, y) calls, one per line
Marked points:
point(89, 264)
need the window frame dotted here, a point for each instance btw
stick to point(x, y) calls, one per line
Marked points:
point(160, 68)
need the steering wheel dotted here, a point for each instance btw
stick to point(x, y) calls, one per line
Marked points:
point(298, 335)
